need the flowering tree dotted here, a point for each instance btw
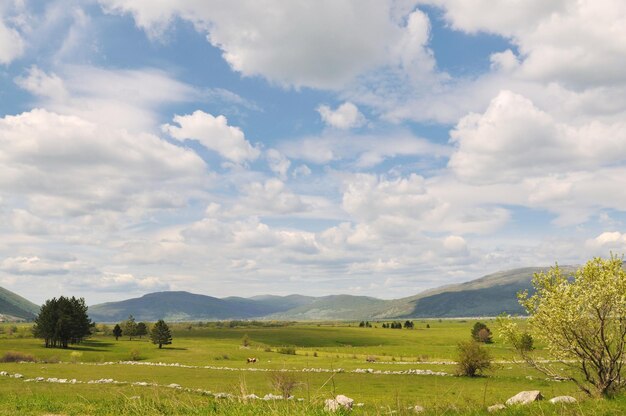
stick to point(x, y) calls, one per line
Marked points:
point(582, 320)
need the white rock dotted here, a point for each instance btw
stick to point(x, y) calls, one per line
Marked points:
point(563, 399)
point(525, 397)
point(271, 396)
point(174, 386)
point(331, 405)
point(418, 409)
point(251, 396)
point(496, 407)
point(344, 401)
point(17, 375)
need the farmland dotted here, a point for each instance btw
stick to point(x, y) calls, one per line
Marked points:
point(385, 370)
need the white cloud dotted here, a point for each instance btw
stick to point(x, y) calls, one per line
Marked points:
point(277, 162)
point(215, 134)
point(608, 241)
point(12, 45)
point(33, 265)
point(64, 165)
point(346, 116)
point(324, 45)
point(548, 36)
point(513, 140)
point(123, 99)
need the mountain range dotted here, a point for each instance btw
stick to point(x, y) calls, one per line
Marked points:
point(487, 296)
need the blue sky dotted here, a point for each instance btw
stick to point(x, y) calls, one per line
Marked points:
point(372, 147)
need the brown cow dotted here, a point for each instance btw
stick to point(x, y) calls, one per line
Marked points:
point(252, 360)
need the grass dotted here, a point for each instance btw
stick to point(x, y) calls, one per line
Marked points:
point(326, 346)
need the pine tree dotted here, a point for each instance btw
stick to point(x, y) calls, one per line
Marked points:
point(117, 331)
point(62, 321)
point(142, 329)
point(161, 334)
point(129, 327)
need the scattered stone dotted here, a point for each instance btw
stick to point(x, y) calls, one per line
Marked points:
point(17, 375)
point(174, 386)
point(3, 373)
point(271, 396)
point(251, 396)
point(496, 407)
point(563, 399)
point(339, 402)
point(418, 409)
point(134, 398)
point(525, 397)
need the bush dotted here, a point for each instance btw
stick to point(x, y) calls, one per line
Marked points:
point(16, 356)
point(473, 359)
point(287, 350)
point(481, 333)
point(134, 355)
point(283, 382)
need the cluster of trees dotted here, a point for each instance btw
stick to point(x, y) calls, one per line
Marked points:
point(160, 333)
point(62, 322)
point(399, 325)
point(365, 324)
point(130, 328)
point(582, 321)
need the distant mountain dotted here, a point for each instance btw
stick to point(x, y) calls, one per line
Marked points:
point(488, 296)
point(185, 306)
point(14, 306)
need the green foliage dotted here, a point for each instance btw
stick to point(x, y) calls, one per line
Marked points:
point(117, 331)
point(481, 333)
point(129, 327)
point(473, 359)
point(582, 320)
point(161, 334)
point(142, 329)
point(409, 324)
point(62, 321)
point(16, 357)
point(287, 350)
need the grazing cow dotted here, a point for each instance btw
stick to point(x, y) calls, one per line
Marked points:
point(252, 360)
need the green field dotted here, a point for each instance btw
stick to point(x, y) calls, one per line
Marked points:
point(366, 364)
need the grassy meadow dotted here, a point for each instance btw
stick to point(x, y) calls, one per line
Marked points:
point(313, 361)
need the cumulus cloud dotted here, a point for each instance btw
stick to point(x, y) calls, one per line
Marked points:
point(513, 140)
point(117, 98)
point(547, 34)
point(277, 162)
point(215, 134)
point(33, 265)
point(323, 45)
point(346, 116)
point(64, 165)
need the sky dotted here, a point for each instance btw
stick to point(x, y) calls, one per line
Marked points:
point(366, 147)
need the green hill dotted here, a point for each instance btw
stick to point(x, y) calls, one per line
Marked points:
point(15, 306)
point(490, 295)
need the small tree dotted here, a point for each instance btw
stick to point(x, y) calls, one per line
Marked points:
point(117, 331)
point(409, 324)
point(129, 327)
point(245, 341)
point(473, 359)
point(161, 334)
point(582, 320)
point(481, 333)
point(142, 329)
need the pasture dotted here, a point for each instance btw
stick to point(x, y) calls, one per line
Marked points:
point(386, 371)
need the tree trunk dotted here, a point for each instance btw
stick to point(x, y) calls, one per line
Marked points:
point(160, 345)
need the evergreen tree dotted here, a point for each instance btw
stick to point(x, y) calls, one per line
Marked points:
point(481, 333)
point(62, 321)
point(129, 327)
point(142, 329)
point(117, 331)
point(161, 334)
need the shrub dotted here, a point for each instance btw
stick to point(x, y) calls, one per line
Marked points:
point(287, 350)
point(16, 356)
point(481, 333)
point(283, 382)
point(75, 356)
point(134, 355)
point(473, 359)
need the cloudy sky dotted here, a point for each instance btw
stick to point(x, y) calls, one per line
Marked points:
point(369, 147)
